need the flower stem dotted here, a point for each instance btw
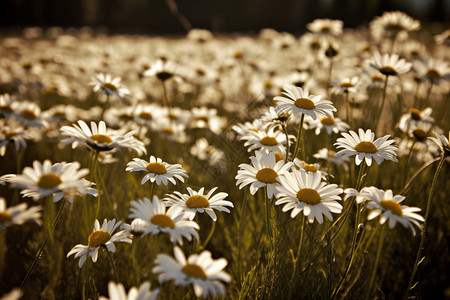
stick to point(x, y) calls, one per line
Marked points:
point(377, 260)
point(44, 242)
point(208, 238)
point(113, 265)
point(405, 176)
point(287, 142)
point(299, 145)
point(95, 171)
point(406, 187)
point(105, 106)
point(427, 99)
point(377, 121)
point(267, 208)
point(299, 250)
point(424, 225)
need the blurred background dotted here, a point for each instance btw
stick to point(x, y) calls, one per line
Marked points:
point(176, 16)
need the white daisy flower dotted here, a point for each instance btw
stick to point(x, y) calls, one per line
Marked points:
point(29, 114)
point(196, 202)
point(109, 85)
point(100, 236)
point(387, 205)
point(200, 270)
point(389, 65)
point(157, 170)
point(364, 147)
point(303, 191)
point(101, 139)
point(309, 168)
point(17, 136)
point(59, 179)
point(331, 125)
point(326, 27)
point(271, 139)
point(442, 141)
point(297, 100)
point(393, 24)
point(116, 291)
point(409, 121)
point(327, 154)
point(159, 219)
point(264, 171)
point(162, 69)
point(136, 228)
point(6, 108)
point(19, 214)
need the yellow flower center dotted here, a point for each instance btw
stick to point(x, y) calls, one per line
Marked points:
point(331, 153)
point(163, 221)
point(278, 156)
point(238, 54)
point(393, 206)
point(157, 168)
point(394, 27)
point(29, 114)
point(420, 134)
point(193, 270)
point(101, 139)
point(172, 116)
point(10, 134)
point(310, 168)
point(327, 121)
point(366, 147)
point(304, 103)
point(4, 217)
point(197, 201)
point(49, 181)
point(388, 71)
point(168, 130)
point(377, 78)
point(267, 84)
point(98, 238)
point(325, 29)
point(164, 75)
point(433, 74)
point(145, 115)
point(269, 141)
point(309, 196)
point(6, 108)
point(200, 72)
point(346, 84)
point(202, 119)
point(125, 117)
point(110, 86)
point(267, 175)
point(415, 114)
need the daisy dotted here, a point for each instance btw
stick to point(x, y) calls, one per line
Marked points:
point(265, 171)
point(162, 69)
point(389, 65)
point(308, 168)
point(443, 38)
point(116, 291)
point(159, 219)
point(442, 142)
point(329, 155)
point(29, 114)
point(200, 270)
point(17, 136)
point(346, 85)
point(59, 179)
point(331, 125)
point(414, 117)
point(433, 70)
point(196, 202)
point(270, 140)
point(387, 205)
point(19, 214)
point(136, 228)
point(6, 108)
point(297, 100)
point(157, 170)
point(109, 86)
point(393, 24)
point(305, 191)
point(101, 139)
point(326, 27)
point(100, 237)
point(364, 147)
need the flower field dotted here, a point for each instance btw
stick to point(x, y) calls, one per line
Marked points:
point(267, 166)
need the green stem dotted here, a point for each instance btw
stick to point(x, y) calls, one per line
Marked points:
point(418, 172)
point(105, 192)
point(408, 162)
point(44, 242)
point(95, 171)
point(152, 190)
point(377, 121)
point(349, 117)
point(377, 261)
point(424, 225)
point(427, 99)
point(299, 249)
point(105, 106)
point(287, 142)
point(266, 208)
point(208, 238)
point(113, 265)
point(299, 143)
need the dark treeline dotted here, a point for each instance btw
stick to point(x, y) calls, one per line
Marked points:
point(154, 16)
